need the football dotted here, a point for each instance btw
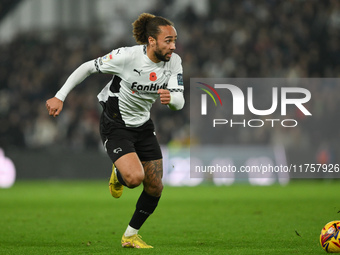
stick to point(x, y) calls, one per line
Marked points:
point(330, 238)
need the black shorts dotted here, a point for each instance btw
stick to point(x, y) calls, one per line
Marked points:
point(119, 140)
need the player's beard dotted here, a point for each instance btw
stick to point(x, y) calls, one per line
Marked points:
point(160, 56)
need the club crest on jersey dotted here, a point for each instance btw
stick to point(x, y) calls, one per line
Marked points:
point(167, 74)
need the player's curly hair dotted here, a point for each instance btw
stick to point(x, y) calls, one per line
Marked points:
point(148, 25)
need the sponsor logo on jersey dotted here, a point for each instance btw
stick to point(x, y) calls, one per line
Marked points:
point(152, 87)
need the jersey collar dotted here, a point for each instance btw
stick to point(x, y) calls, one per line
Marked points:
point(161, 63)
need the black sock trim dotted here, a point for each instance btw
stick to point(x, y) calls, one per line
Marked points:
point(145, 206)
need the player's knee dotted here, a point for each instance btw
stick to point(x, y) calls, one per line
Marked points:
point(154, 190)
point(134, 180)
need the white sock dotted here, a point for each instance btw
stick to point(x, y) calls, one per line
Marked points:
point(130, 231)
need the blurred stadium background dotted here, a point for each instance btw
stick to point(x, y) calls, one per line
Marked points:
point(43, 41)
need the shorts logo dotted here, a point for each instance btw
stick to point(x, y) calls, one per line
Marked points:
point(117, 150)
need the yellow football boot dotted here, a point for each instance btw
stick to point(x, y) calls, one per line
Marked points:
point(134, 241)
point(116, 188)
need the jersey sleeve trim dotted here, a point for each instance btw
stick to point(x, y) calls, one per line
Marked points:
point(176, 90)
point(97, 66)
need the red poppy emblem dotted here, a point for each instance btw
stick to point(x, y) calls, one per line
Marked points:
point(153, 76)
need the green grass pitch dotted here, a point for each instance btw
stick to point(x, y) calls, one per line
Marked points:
point(71, 217)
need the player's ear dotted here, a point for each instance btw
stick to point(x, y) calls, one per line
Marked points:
point(152, 41)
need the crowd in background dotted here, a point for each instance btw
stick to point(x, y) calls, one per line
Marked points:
point(240, 39)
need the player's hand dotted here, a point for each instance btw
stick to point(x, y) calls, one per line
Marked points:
point(164, 95)
point(54, 106)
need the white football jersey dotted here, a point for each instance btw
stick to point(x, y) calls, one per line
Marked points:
point(136, 79)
